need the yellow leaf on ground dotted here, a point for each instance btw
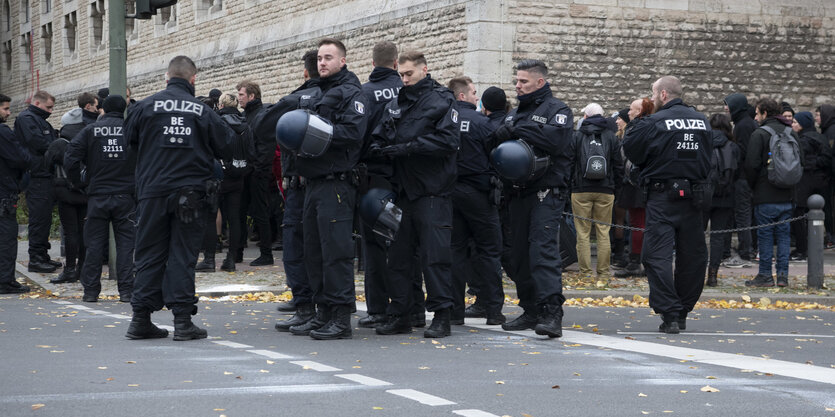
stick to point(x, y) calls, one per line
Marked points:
point(37, 406)
point(641, 394)
point(708, 388)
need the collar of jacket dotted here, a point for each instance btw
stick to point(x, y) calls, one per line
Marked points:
point(500, 115)
point(113, 115)
point(411, 93)
point(313, 82)
point(228, 110)
point(253, 105)
point(39, 112)
point(671, 103)
point(775, 121)
point(466, 105)
point(182, 84)
point(335, 79)
point(536, 97)
point(381, 73)
point(90, 114)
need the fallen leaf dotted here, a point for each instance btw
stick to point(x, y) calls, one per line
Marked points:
point(423, 368)
point(37, 406)
point(641, 394)
point(233, 331)
point(746, 298)
point(708, 388)
point(683, 391)
point(500, 382)
point(102, 367)
point(376, 408)
point(130, 362)
point(220, 409)
point(555, 387)
point(227, 373)
point(710, 377)
point(264, 371)
point(133, 385)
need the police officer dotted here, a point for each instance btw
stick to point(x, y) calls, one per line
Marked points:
point(14, 160)
point(421, 133)
point(475, 217)
point(382, 87)
point(33, 131)
point(672, 147)
point(331, 196)
point(294, 190)
point(102, 149)
point(536, 203)
point(176, 138)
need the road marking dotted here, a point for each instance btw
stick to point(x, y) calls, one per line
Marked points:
point(231, 344)
point(808, 336)
point(119, 316)
point(473, 413)
point(729, 360)
point(364, 380)
point(169, 328)
point(316, 366)
point(62, 302)
point(102, 312)
point(79, 307)
point(420, 397)
point(270, 354)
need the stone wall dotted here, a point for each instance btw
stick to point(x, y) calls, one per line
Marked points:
point(607, 51)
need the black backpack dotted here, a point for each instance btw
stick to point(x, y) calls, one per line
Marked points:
point(723, 167)
point(594, 157)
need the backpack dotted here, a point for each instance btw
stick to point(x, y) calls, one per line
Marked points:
point(594, 157)
point(783, 166)
point(723, 167)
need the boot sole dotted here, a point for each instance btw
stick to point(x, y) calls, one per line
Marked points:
point(189, 337)
point(438, 336)
point(146, 336)
point(398, 331)
point(543, 332)
point(317, 336)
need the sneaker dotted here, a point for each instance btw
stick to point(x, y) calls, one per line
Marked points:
point(797, 257)
point(735, 262)
point(782, 280)
point(760, 281)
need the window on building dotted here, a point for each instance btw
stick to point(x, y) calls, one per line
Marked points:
point(97, 43)
point(46, 6)
point(7, 56)
point(131, 25)
point(166, 20)
point(70, 37)
point(26, 51)
point(207, 9)
point(25, 10)
point(7, 13)
point(46, 48)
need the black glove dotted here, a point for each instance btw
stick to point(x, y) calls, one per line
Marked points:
point(495, 196)
point(503, 134)
point(395, 150)
point(187, 205)
point(374, 150)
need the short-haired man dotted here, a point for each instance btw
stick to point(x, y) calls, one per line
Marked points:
point(14, 160)
point(673, 149)
point(89, 105)
point(421, 133)
point(771, 203)
point(474, 216)
point(331, 196)
point(175, 138)
point(536, 203)
point(32, 130)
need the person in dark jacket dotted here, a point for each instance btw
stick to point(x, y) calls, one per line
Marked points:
point(102, 150)
point(32, 129)
point(72, 200)
point(420, 132)
point(771, 204)
point(817, 171)
point(536, 203)
point(825, 117)
point(721, 210)
point(594, 198)
point(14, 161)
point(89, 105)
point(744, 125)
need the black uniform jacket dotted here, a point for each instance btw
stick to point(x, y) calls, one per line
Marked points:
point(102, 148)
point(14, 161)
point(34, 132)
point(473, 162)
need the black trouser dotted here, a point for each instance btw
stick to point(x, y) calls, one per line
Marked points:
point(474, 217)
point(259, 208)
point(425, 229)
point(39, 199)
point(102, 210)
point(507, 239)
point(293, 254)
point(276, 214)
point(674, 225)
point(166, 252)
point(742, 217)
point(244, 209)
point(209, 244)
point(721, 218)
point(800, 230)
point(230, 212)
point(328, 224)
point(8, 241)
point(374, 249)
point(72, 221)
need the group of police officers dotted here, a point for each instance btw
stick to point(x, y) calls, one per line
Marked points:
point(429, 173)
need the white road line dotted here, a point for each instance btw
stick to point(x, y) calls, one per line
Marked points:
point(773, 366)
point(119, 316)
point(169, 328)
point(102, 312)
point(420, 397)
point(79, 307)
point(62, 302)
point(270, 354)
point(316, 366)
point(473, 413)
point(364, 380)
point(808, 336)
point(231, 344)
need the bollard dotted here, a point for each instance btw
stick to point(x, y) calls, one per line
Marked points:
point(815, 219)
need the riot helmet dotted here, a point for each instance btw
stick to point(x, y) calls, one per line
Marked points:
point(515, 160)
point(304, 132)
point(377, 209)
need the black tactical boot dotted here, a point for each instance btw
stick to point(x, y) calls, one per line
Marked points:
point(682, 320)
point(287, 306)
point(418, 319)
point(266, 258)
point(372, 320)
point(14, 287)
point(760, 281)
point(633, 270)
point(142, 328)
point(495, 318)
point(524, 322)
point(475, 311)
point(42, 267)
point(207, 264)
point(322, 317)
point(228, 264)
point(549, 322)
point(184, 329)
point(440, 326)
point(669, 324)
point(339, 326)
point(304, 313)
point(69, 274)
point(395, 325)
point(712, 279)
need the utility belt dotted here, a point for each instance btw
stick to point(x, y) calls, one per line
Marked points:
point(294, 182)
point(351, 176)
point(522, 191)
point(8, 206)
point(189, 202)
point(700, 194)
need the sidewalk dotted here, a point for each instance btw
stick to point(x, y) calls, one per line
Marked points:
point(248, 279)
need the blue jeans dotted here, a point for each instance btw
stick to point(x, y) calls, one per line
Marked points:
point(770, 213)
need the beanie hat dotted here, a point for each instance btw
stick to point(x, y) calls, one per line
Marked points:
point(805, 119)
point(624, 115)
point(114, 103)
point(494, 99)
point(786, 107)
point(72, 117)
point(215, 93)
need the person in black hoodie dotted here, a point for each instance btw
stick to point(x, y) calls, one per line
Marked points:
point(817, 169)
point(721, 210)
point(72, 200)
point(744, 125)
point(594, 197)
point(826, 119)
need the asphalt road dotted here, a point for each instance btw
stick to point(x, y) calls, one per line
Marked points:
point(65, 358)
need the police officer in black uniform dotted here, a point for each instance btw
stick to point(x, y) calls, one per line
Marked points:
point(382, 87)
point(176, 139)
point(421, 132)
point(536, 203)
point(34, 132)
point(102, 149)
point(14, 160)
point(673, 148)
point(475, 216)
point(294, 189)
point(331, 196)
